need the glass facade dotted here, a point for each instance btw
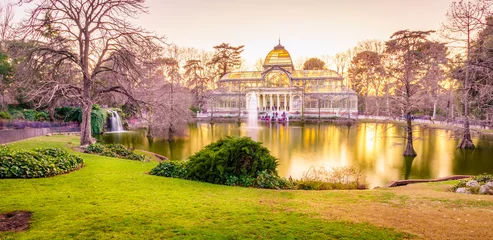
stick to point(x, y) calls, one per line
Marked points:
point(281, 88)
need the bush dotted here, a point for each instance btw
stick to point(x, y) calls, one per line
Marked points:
point(29, 114)
point(174, 169)
point(95, 148)
point(43, 162)
point(266, 179)
point(115, 150)
point(338, 178)
point(42, 116)
point(230, 156)
point(16, 113)
point(481, 179)
point(5, 115)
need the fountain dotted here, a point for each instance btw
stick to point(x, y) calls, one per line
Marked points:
point(116, 123)
point(253, 112)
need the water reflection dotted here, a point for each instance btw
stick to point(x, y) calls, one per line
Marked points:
point(375, 148)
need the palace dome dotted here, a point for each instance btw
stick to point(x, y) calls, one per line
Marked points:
point(278, 57)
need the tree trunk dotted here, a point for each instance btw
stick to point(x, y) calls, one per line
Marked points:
point(85, 126)
point(51, 109)
point(409, 151)
point(466, 141)
point(434, 110)
point(366, 104)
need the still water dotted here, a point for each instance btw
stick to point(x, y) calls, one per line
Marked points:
point(375, 148)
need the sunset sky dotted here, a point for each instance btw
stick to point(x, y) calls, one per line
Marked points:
point(307, 28)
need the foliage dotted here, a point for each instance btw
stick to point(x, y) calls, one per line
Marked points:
point(95, 148)
point(98, 117)
point(130, 110)
point(42, 116)
point(230, 156)
point(338, 178)
point(98, 120)
point(5, 115)
point(115, 150)
point(314, 64)
point(266, 179)
point(175, 169)
point(68, 114)
point(16, 113)
point(481, 179)
point(29, 114)
point(226, 58)
point(194, 109)
point(41, 162)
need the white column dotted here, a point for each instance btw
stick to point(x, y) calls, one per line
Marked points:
point(270, 107)
point(285, 103)
point(290, 102)
point(278, 105)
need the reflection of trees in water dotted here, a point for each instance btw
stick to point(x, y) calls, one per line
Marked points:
point(408, 163)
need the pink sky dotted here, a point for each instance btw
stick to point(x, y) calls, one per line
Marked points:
point(308, 28)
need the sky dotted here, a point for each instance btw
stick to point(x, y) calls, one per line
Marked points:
point(306, 28)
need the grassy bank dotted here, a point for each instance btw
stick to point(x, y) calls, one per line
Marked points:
point(114, 198)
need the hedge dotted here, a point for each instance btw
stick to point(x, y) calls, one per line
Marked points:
point(41, 162)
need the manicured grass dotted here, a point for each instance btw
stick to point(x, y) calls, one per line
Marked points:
point(115, 198)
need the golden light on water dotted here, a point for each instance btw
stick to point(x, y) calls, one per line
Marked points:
point(374, 148)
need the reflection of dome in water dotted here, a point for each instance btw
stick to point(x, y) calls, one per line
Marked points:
point(278, 57)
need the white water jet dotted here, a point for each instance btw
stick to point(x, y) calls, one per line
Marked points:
point(116, 123)
point(253, 111)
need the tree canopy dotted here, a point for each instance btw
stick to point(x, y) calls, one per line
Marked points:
point(314, 64)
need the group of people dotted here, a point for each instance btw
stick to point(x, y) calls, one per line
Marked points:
point(274, 117)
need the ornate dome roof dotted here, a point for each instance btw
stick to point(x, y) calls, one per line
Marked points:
point(278, 57)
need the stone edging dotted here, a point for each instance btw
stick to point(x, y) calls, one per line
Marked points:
point(410, 181)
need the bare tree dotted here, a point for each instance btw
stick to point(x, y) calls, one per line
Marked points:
point(95, 38)
point(407, 48)
point(259, 64)
point(465, 18)
point(6, 28)
point(341, 61)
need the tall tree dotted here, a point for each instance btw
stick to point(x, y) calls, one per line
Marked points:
point(95, 38)
point(465, 18)
point(408, 47)
point(434, 74)
point(314, 64)
point(226, 58)
point(197, 82)
point(366, 72)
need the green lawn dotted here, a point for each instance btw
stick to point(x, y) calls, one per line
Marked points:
point(115, 198)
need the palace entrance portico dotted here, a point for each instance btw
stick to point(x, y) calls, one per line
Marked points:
point(273, 100)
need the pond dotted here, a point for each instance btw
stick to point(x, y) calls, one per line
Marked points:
point(374, 148)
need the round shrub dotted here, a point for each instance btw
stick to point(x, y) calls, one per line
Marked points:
point(230, 156)
point(45, 162)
